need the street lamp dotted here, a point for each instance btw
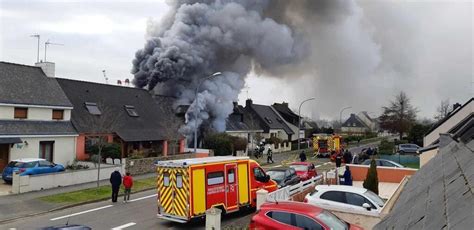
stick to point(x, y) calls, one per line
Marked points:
point(340, 116)
point(299, 119)
point(197, 101)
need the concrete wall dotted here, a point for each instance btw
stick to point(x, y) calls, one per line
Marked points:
point(385, 174)
point(449, 124)
point(146, 165)
point(22, 184)
point(64, 149)
point(427, 156)
point(43, 114)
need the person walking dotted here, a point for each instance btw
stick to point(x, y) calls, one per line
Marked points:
point(127, 183)
point(115, 180)
point(270, 155)
point(302, 156)
point(347, 176)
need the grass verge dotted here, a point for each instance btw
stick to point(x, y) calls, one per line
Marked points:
point(95, 194)
point(412, 165)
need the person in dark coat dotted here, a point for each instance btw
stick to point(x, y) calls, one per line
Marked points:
point(347, 157)
point(338, 160)
point(270, 156)
point(347, 176)
point(116, 181)
point(302, 156)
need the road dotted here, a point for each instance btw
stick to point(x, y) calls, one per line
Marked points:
point(140, 213)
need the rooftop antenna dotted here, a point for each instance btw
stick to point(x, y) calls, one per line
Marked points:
point(38, 47)
point(105, 76)
point(46, 47)
point(247, 88)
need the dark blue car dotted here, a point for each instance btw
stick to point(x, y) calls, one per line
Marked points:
point(29, 166)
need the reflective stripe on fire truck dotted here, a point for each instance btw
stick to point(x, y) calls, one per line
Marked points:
point(174, 198)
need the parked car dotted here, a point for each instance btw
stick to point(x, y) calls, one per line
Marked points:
point(408, 148)
point(304, 170)
point(283, 176)
point(346, 198)
point(296, 215)
point(383, 162)
point(29, 166)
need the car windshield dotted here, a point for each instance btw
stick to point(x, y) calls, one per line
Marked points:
point(331, 220)
point(374, 197)
point(276, 175)
point(18, 164)
point(303, 168)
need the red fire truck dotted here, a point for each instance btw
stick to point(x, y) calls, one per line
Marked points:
point(187, 188)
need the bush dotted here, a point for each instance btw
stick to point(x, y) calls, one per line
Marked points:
point(76, 166)
point(221, 143)
point(371, 182)
point(273, 140)
point(386, 147)
point(109, 150)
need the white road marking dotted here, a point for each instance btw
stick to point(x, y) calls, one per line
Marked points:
point(79, 213)
point(317, 166)
point(124, 226)
point(142, 198)
point(276, 166)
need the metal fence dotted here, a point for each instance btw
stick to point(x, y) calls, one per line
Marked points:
point(285, 193)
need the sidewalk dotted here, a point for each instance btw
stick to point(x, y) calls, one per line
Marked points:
point(28, 204)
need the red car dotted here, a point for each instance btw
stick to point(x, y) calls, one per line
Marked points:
point(304, 170)
point(296, 215)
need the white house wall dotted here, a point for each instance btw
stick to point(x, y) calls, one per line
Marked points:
point(6, 112)
point(43, 114)
point(63, 149)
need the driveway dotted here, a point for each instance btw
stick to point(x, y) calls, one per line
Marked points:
point(5, 189)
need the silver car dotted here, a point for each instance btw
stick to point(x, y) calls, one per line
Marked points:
point(408, 148)
point(383, 162)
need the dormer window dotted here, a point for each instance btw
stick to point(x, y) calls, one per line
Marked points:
point(21, 113)
point(269, 121)
point(131, 111)
point(92, 108)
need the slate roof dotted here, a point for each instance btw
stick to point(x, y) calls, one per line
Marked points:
point(238, 120)
point(270, 119)
point(353, 119)
point(440, 195)
point(286, 113)
point(22, 84)
point(452, 113)
point(25, 127)
point(145, 127)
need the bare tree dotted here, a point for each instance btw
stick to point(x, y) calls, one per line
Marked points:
point(443, 110)
point(399, 116)
point(170, 123)
point(104, 120)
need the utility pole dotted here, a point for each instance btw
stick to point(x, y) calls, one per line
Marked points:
point(299, 119)
point(38, 47)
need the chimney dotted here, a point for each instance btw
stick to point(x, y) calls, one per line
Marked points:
point(285, 104)
point(235, 104)
point(248, 102)
point(456, 106)
point(47, 67)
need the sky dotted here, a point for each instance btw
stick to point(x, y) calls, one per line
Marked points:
point(424, 48)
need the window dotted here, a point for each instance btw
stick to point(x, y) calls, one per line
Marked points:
point(258, 173)
point(131, 111)
point(21, 113)
point(282, 217)
point(58, 114)
point(268, 120)
point(166, 179)
point(355, 199)
point(179, 181)
point(387, 164)
point(334, 196)
point(331, 220)
point(45, 164)
point(92, 108)
point(306, 223)
point(214, 178)
point(231, 176)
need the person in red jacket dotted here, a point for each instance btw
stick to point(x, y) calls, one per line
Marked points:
point(127, 183)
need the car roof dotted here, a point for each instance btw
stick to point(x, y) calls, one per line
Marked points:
point(342, 188)
point(292, 206)
point(278, 169)
point(26, 160)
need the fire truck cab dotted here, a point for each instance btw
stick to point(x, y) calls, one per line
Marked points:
point(187, 188)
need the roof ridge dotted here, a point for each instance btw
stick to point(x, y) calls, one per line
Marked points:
point(99, 83)
point(18, 64)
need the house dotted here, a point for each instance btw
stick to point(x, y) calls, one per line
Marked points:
point(34, 116)
point(238, 124)
point(459, 117)
point(354, 126)
point(269, 119)
point(440, 194)
point(371, 123)
point(307, 126)
point(130, 117)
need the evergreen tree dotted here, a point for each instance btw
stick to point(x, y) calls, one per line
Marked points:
point(371, 182)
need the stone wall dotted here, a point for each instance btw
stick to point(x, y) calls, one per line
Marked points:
point(147, 165)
